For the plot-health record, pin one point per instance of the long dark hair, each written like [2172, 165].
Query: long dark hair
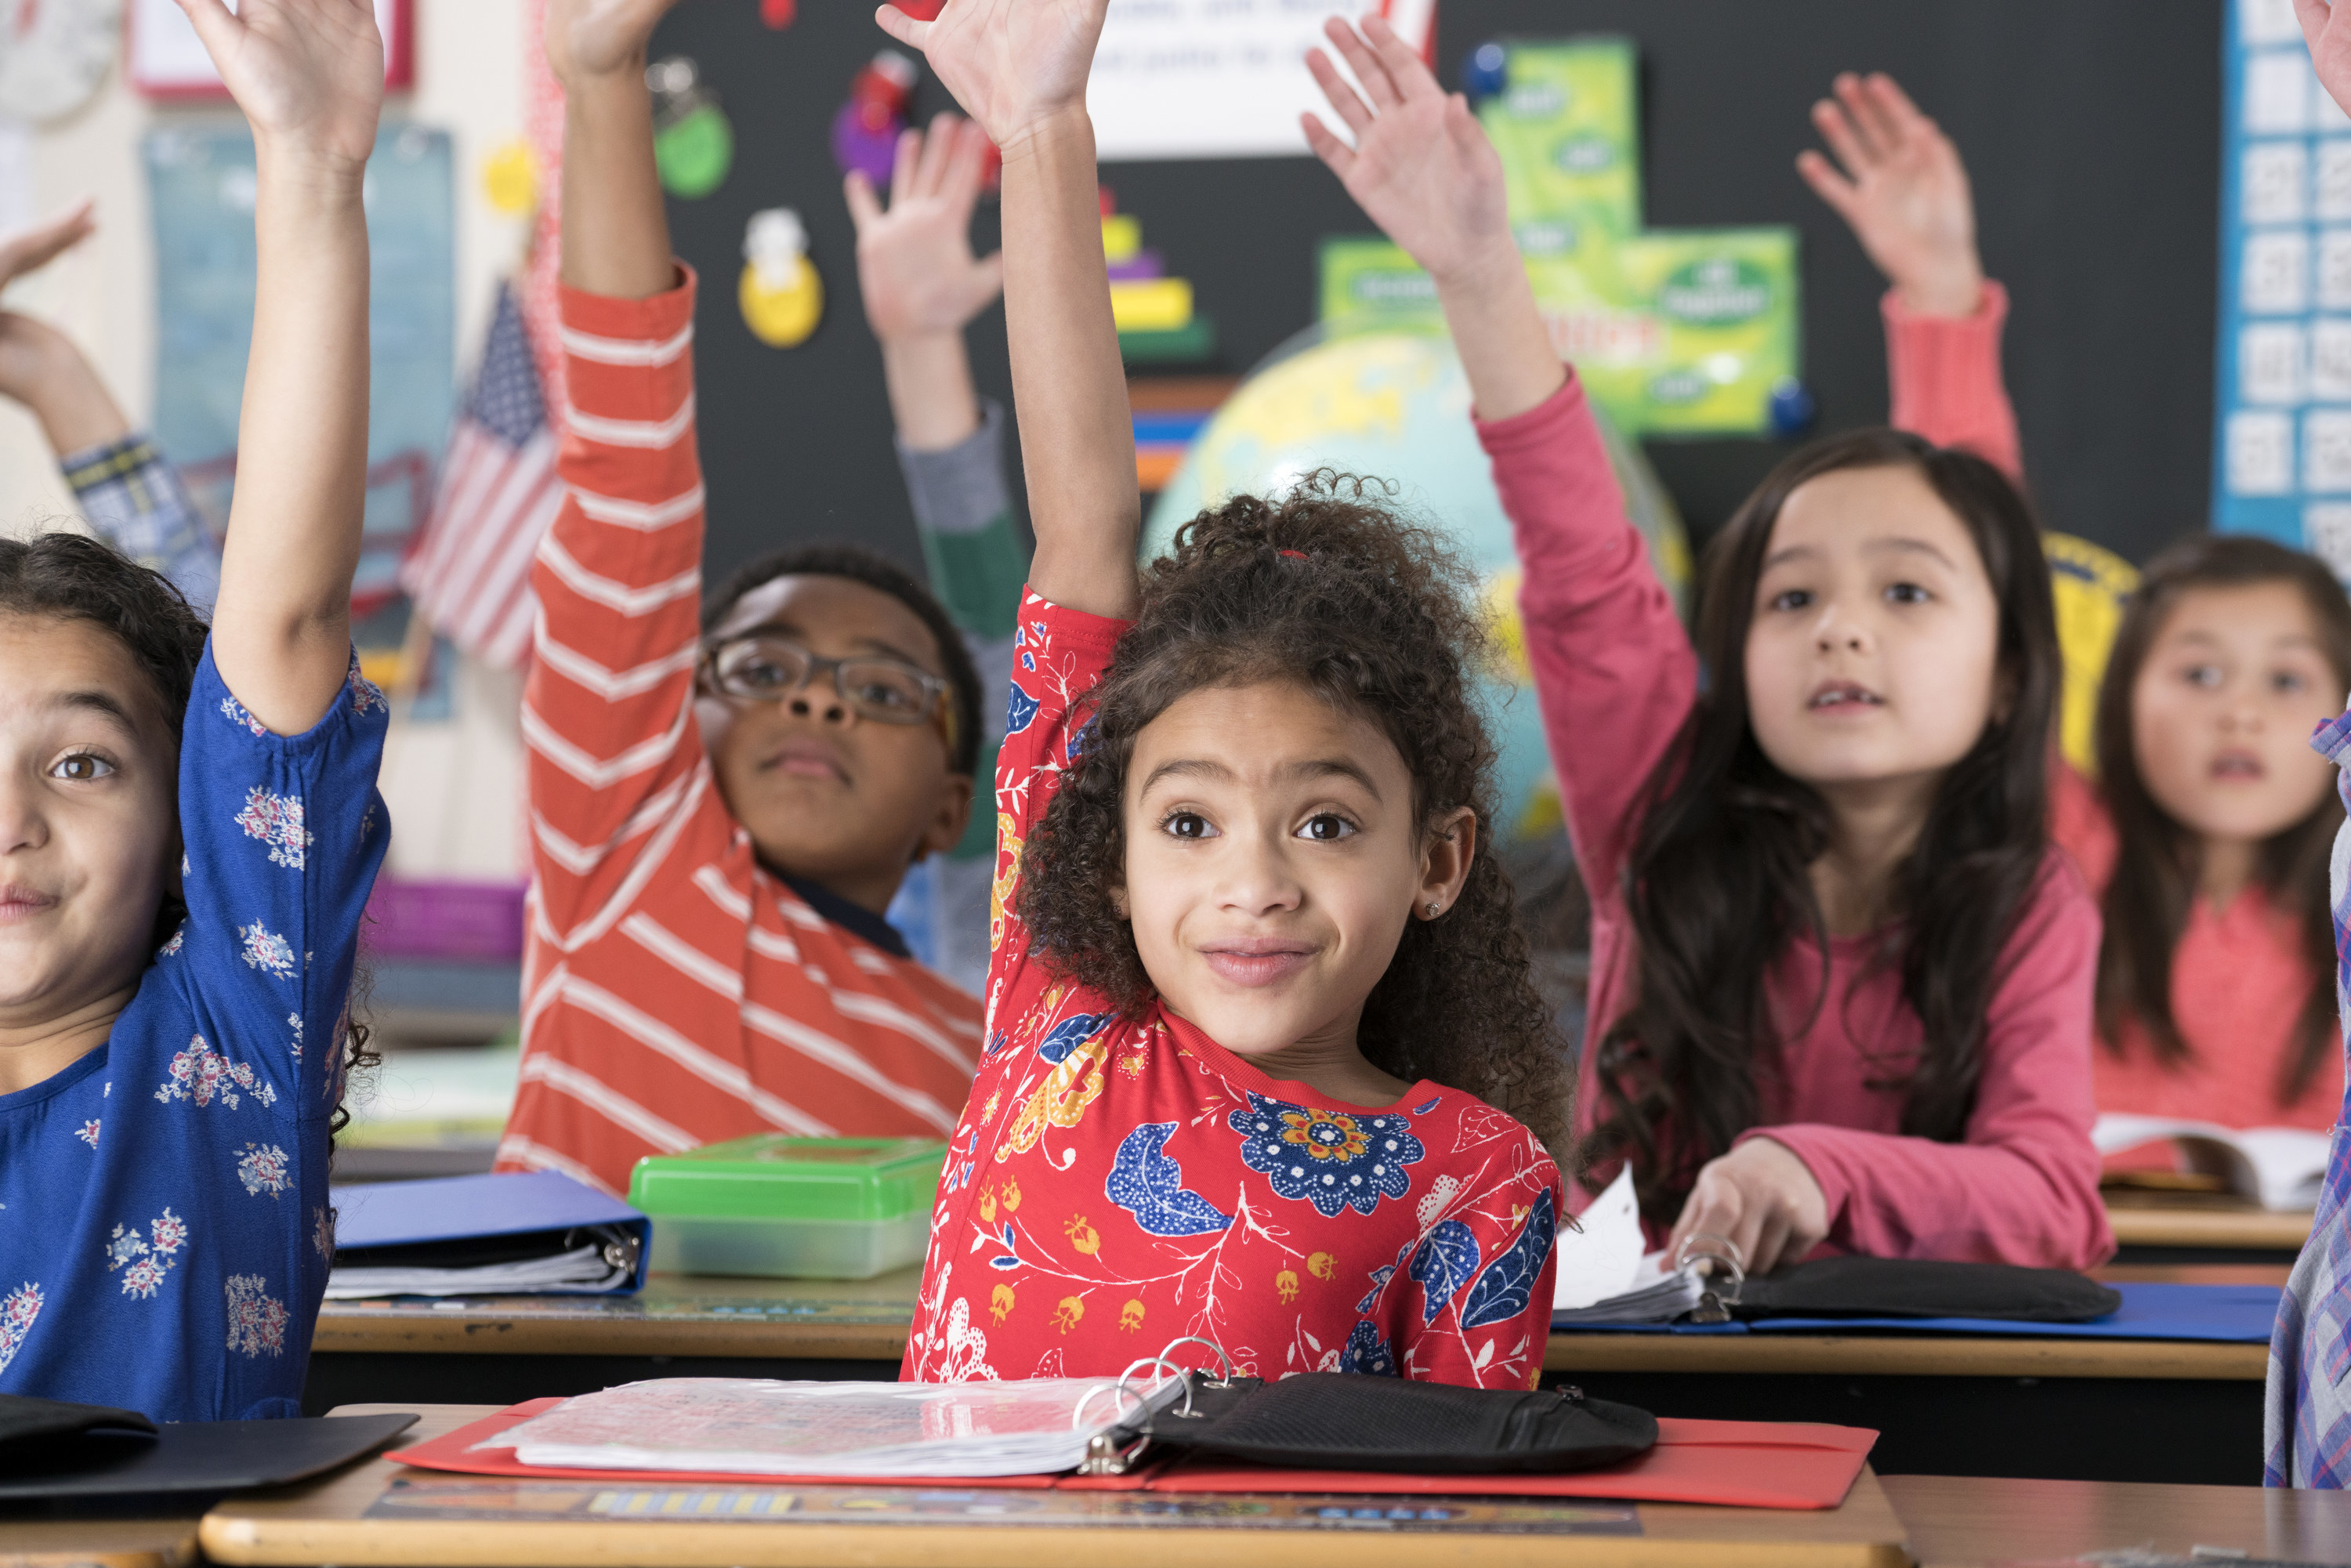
[1327, 589]
[70, 576]
[1718, 886]
[2153, 889]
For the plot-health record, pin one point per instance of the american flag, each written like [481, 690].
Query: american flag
[470, 576]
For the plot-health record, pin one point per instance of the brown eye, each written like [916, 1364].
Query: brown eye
[81, 767]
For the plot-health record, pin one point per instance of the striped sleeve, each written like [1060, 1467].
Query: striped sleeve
[608, 715]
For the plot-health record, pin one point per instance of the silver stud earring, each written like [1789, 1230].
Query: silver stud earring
[1433, 907]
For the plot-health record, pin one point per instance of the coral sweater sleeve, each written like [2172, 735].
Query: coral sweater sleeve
[1945, 374]
[608, 713]
[1614, 672]
[2023, 1187]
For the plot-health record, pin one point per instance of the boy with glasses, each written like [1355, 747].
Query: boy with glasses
[722, 806]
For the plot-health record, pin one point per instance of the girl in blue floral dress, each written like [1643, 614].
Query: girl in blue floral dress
[1259, 1013]
[188, 829]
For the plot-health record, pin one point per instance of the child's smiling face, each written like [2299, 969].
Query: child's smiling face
[827, 794]
[1274, 853]
[88, 829]
[1873, 653]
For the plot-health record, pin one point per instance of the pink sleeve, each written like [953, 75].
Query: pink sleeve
[2024, 1188]
[1613, 670]
[1947, 382]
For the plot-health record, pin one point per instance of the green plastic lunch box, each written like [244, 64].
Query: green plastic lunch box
[790, 1208]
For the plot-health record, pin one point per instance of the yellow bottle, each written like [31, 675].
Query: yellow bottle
[782, 297]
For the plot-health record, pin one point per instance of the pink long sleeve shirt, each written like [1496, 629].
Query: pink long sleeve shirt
[1615, 675]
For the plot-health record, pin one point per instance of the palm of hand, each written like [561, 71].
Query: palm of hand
[1013, 63]
[308, 71]
[1429, 192]
[1913, 210]
[917, 271]
[596, 37]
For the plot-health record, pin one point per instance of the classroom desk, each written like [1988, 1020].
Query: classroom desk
[2157, 1229]
[1952, 1521]
[381, 1513]
[1947, 1405]
[37, 1537]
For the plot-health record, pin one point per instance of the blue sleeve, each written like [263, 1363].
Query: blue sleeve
[282, 836]
[130, 493]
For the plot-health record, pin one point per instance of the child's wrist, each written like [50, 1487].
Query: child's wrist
[1492, 262]
[295, 164]
[1057, 126]
[1954, 294]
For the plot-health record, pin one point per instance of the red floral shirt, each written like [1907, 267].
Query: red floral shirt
[1116, 1184]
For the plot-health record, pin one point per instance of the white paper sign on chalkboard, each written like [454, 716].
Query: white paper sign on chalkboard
[1217, 78]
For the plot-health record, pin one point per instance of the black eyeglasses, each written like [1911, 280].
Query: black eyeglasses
[764, 668]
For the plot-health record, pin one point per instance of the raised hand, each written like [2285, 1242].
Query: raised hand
[1421, 166]
[915, 262]
[1012, 64]
[591, 38]
[1903, 191]
[29, 250]
[308, 73]
[2330, 47]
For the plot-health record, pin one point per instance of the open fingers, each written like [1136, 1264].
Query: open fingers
[1405, 69]
[1860, 116]
[1879, 129]
[1368, 66]
[1827, 183]
[904, 159]
[966, 165]
[889, 18]
[1897, 105]
[1836, 128]
[35, 247]
[1344, 100]
[938, 155]
[1336, 154]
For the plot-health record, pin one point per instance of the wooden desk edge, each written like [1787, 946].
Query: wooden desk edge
[1907, 1356]
[2255, 1231]
[416, 1334]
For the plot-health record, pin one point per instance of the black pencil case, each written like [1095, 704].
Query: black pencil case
[1353, 1421]
[1920, 1288]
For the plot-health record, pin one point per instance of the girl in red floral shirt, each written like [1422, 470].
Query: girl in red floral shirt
[1256, 993]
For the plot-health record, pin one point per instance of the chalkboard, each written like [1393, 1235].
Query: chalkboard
[2092, 129]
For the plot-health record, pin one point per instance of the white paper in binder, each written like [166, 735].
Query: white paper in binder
[1604, 1275]
[848, 1431]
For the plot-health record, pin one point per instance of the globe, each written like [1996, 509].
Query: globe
[1393, 403]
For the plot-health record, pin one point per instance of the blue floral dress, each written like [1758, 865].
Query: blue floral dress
[164, 1233]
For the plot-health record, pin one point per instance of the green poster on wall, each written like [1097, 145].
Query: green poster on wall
[1674, 331]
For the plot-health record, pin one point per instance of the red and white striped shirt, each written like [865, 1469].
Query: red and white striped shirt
[675, 993]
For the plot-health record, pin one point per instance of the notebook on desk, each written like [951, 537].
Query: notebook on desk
[2236, 1314]
[528, 1232]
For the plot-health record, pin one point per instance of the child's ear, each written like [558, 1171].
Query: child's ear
[1118, 899]
[1445, 861]
[953, 816]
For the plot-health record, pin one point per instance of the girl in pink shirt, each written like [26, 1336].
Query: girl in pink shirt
[1841, 983]
[2207, 837]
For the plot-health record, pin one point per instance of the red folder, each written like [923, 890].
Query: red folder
[1742, 1464]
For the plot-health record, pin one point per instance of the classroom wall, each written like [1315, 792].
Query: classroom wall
[453, 789]
[2091, 126]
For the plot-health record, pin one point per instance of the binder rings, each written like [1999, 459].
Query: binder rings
[531, 1232]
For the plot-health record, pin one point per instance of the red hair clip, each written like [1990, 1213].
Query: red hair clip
[1295, 554]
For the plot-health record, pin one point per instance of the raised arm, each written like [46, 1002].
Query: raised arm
[1900, 185]
[615, 232]
[1020, 67]
[309, 76]
[39, 366]
[1424, 171]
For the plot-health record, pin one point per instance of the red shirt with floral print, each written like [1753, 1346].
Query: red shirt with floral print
[1116, 1184]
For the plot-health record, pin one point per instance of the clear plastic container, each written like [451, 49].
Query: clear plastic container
[792, 1208]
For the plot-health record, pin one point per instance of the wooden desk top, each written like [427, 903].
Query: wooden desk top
[2146, 1220]
[381, 1513]
[679, 1314]
[1952, 1521]
[43, 1543]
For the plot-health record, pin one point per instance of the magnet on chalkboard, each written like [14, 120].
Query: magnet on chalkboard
[510, 179]
[693, 143]
[1485, 72]
[782, 296]
[866, 131]
[778, 13]
[1792, 408]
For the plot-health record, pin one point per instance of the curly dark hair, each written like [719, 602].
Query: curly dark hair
[70, 576]
[1717, 885]
[1377, 616]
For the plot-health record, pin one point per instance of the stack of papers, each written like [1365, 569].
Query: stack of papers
[848, 1431]
[2278, 1167]
[591, 1266]
[1605, 1277]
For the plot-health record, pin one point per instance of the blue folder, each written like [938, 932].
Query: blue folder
[420, 1215]
[2236, 1314]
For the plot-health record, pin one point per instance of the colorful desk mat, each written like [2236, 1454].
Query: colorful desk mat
[2232, 1314]
[1743, 1463]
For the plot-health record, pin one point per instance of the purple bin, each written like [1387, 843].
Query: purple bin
[481, 921]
